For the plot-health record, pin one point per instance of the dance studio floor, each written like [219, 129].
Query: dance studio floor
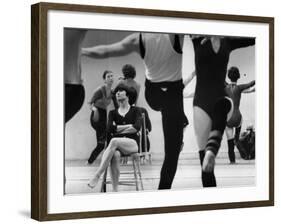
[188, 175]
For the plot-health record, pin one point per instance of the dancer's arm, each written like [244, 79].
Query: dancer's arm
[124, 47]
[189, 79]
[250, 90]
[240, 42]
[247, 85]
[188, 95]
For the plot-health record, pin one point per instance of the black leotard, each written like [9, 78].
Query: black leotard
[73, 101]
[211, 69]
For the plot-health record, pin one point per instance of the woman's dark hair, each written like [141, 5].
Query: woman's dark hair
[105, 73]
[233, 74]
[131, 93]
[129, 71]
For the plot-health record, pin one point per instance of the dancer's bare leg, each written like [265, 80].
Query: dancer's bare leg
[202, 126]
[115, 170]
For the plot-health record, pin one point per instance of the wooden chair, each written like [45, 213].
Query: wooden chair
[132, 177]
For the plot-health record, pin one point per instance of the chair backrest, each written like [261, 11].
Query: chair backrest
[143, 147]
[144, 134]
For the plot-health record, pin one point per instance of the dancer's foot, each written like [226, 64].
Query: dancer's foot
[209, 161]
[93, 182]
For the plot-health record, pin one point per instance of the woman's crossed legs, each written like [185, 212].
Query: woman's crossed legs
[126, 146]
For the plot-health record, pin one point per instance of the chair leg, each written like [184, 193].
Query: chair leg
[139, 174]
[135, 174]
[103, 185]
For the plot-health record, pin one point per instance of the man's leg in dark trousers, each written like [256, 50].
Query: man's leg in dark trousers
[173, 136]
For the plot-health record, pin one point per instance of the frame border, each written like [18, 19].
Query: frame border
[39, 209]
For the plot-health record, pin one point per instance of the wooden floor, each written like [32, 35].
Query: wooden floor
[188, 175]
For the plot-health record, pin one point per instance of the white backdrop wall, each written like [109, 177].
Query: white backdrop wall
[15, 113]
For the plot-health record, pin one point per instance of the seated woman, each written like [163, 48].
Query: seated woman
[123, 125]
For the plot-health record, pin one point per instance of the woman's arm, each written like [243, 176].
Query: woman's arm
[138, 120]
[121, 128]
[136, 126]
[129, 130]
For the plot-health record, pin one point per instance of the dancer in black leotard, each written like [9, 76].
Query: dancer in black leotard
[210, 103]
[234, 123]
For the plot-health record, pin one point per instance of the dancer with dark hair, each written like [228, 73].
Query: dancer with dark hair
[123, 125]
[211, 106]
[234, 123]
[129, 73]
[101, 99]
[162, 56]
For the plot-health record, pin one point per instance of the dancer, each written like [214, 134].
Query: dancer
[73, 88]
[211, 106]
[162, 56]
[129, 73]
[123, 125]
[101, 99]
[234, 123]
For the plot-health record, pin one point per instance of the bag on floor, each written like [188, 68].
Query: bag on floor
[246, 145]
